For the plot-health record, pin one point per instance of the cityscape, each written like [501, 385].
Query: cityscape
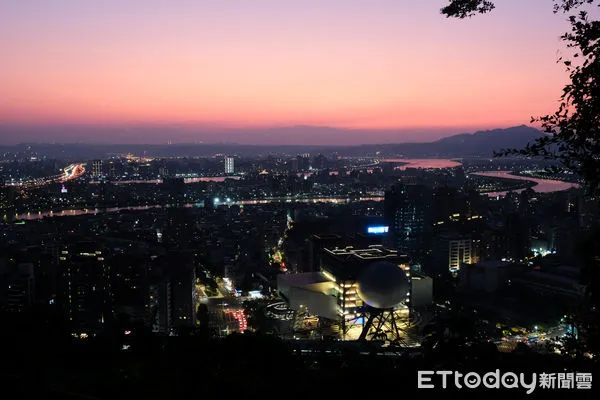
[236, 263]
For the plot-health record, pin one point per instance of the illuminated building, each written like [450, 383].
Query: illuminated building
[163, 171]
[171, 297]
[406, 213]
[311, 291]
[96, 168]
[86, 289]
[16, 287]
[303, 161]
[459, 252]
[317, 244]
[159, 306]
[374, 236]
[179, 271]
[229, 165]
[112, 171]
[455, 242]
[344, 266]
[332, 292]
[8, 195]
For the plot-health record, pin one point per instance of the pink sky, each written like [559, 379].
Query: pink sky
[365, 64]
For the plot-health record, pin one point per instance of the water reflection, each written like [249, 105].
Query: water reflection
[542, 185]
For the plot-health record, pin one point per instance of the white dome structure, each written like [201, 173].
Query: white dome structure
[383, 285]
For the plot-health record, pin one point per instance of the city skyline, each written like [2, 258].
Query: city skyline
[229, 70]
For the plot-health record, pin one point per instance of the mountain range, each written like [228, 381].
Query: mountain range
[478, 144]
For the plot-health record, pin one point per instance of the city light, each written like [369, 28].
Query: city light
[377, 229]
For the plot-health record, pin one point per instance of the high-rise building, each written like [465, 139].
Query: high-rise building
[96, 168]
[229, 167]
[516, 230]
[86, 290]
[459, 252]
[317, 244]
[183, 299]
[320, 162]
[303, 162]
[293, 165]
[159, 306]
[163, 171]
[407, 215]
[16, 287]
[5, 204]
[112, 170]
[129, 284]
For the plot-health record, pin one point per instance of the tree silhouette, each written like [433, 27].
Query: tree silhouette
[573, 131]
[572, 138]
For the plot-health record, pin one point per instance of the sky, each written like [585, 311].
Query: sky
[227, 70]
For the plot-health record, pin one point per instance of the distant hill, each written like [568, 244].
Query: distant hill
[479, 144]
[486, 142]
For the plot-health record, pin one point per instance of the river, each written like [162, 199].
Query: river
[542, 185]
[426, 163]
[88, 211]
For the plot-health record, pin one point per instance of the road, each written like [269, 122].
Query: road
[226, 312]
[71, 172]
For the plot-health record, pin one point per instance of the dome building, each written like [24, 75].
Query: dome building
[366, 292]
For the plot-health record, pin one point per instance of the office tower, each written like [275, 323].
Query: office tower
[112, 170]
[16, 287]
[516, 230]
[229, 168]
[163, 171]
[96, 168]
[293, 165]
[407, 214]
[6, 202]
[451, 246]
[86, 295]
[320, 162]
[182, 278]
[459, 252]
[145, 171]
[303, 162]
[129, 284]
[317, 244]
[159, 306]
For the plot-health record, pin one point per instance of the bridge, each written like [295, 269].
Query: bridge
[70, 172]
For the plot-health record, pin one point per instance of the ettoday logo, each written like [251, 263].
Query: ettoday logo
[508, 380]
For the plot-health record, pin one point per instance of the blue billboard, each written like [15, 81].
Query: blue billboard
[377, 230]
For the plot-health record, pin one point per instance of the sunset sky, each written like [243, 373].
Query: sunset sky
[240, 66]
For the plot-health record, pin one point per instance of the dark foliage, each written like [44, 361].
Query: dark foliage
[467, 8]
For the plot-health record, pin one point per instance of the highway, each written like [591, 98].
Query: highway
[70, 172]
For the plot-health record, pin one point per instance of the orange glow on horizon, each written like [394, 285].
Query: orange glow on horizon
[267, 63]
